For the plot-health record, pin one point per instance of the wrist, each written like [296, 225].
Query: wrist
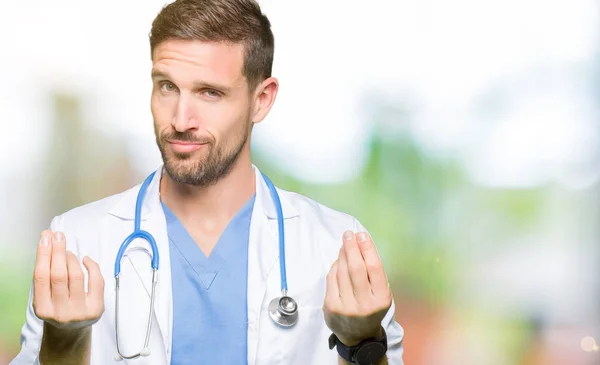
[65, 337]
[65, 346]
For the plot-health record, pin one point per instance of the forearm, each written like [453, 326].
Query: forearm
[65, 348]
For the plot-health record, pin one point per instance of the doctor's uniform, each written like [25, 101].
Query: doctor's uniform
[209, 310]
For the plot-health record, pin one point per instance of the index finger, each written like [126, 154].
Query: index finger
[375, 271]
[41, 273]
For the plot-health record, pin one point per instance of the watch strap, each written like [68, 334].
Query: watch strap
[348, 353]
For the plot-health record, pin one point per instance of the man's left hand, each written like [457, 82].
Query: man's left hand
[358, 294]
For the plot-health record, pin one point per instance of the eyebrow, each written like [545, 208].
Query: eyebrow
[158, 74]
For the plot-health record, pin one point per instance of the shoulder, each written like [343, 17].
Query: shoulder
[320, 214]
[320, 225]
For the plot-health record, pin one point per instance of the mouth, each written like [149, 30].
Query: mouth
[185, 147]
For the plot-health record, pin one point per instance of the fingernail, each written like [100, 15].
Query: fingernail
[45, 241]
[347, 236]
[362, 237]
[57, 237]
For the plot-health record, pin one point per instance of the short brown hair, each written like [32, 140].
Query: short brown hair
[231, 21]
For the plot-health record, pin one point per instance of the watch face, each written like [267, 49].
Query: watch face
[370, 354]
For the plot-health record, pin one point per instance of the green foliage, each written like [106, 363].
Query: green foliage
[15, 282]
[419, 210]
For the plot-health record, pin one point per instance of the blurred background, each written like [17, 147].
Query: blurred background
[465, 135]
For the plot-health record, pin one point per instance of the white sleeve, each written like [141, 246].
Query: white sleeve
[393, 330]
[31, 337]
[31, 332]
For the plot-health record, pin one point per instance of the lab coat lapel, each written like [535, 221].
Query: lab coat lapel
[263, 254]
[156, 225]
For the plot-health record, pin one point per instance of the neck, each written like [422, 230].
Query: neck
[216, 204]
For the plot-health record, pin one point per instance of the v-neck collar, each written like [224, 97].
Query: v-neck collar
[207, 268]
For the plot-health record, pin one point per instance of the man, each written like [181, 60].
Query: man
[215, 223]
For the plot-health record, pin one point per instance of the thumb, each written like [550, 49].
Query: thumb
[95, 280]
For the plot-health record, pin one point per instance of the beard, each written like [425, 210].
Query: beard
[215, 163]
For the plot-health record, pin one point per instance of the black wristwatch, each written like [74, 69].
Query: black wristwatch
[368, 352]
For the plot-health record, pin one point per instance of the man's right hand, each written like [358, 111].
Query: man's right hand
[60, 300]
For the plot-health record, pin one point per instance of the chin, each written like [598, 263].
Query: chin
[181, 165]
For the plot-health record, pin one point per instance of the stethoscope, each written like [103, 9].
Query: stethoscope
[283, 310]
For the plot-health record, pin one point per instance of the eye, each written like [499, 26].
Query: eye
[212, 94]
[167, 86]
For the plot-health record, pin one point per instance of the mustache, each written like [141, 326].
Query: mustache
[185, 137]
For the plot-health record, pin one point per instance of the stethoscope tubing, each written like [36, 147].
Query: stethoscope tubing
[279, 314]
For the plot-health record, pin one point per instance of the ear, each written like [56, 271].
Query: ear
[264, 97]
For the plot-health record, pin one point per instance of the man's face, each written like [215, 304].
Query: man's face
[201, 107]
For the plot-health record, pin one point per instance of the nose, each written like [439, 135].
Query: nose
[185, 115]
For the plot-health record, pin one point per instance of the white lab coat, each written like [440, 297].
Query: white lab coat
[313, 236]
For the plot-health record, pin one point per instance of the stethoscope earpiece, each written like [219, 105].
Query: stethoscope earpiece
[145, 352]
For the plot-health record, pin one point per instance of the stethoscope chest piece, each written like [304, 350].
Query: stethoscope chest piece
[284, 311]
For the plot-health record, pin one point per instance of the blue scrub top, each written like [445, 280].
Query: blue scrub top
[210, 312]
